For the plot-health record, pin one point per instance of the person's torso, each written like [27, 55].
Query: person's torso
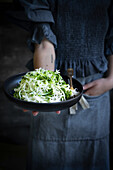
[80, 27]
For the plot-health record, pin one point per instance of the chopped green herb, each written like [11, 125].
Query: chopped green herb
[43, 86]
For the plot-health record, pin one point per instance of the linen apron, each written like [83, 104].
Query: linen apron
[72, 142]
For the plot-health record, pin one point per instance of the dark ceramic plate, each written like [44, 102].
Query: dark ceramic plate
[13, 81]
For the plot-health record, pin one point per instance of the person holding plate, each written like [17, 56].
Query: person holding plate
[79, 35]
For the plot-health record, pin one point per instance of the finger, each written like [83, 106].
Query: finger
[89, 85]
[87, 93]
[35, 113]
[24, 110]
[91, 92]
[58, 112]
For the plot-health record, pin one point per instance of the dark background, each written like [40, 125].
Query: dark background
[14, 124]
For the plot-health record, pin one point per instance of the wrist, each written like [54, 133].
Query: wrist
[109, 81]
[44, 55]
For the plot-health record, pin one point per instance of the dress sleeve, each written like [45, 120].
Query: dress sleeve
[39, 32]
[109, 36]
[41, 18]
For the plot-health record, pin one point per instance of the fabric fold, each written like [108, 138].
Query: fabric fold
[37, 11]
[41, 16]
[82, 67]
[39, 32]
[109, 47]
[109, 35]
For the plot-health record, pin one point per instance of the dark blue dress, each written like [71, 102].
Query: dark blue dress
[82, 34]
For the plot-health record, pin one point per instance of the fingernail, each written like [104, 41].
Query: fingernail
[83, 87]
[24, 110]
[58, 112]
[35, 113]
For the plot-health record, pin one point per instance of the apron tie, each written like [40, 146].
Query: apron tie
[84, 104]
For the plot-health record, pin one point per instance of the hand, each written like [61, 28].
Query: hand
[98, 87]
[35, 113]
[44, 57]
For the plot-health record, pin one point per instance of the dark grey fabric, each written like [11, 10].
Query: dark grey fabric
[109, 36]
[85, 29]
[41, 31]
[37, 11]
[70, 142]
[84, 34]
